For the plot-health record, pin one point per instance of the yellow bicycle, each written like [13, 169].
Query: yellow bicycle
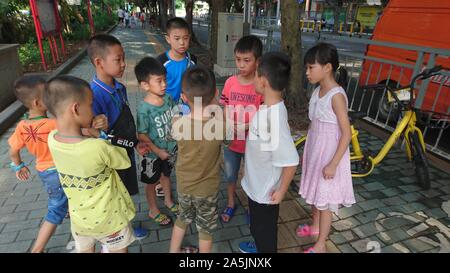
[362, 163]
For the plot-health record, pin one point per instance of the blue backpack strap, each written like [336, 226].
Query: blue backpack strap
[191, 57]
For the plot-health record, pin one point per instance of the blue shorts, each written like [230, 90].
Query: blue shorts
[232, 162]
[57, 200]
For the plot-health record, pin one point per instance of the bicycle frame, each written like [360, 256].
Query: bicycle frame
[406, 126]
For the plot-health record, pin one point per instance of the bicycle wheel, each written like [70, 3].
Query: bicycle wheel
[420, 161]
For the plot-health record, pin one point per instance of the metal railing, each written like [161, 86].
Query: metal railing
[432, 95]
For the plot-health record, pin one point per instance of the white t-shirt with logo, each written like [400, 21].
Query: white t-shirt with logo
[269, 148]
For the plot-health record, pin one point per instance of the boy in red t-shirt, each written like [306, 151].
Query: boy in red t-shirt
[241, 102]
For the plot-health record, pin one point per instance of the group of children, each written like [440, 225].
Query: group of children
[86, 155]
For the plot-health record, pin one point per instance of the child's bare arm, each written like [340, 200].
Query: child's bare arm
[286, 178]
[159, 152]
[23, 173]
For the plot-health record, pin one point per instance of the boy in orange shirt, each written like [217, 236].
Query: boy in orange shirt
[32, 133]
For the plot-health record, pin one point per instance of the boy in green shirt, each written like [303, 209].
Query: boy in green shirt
[154, 117]
[100, 206]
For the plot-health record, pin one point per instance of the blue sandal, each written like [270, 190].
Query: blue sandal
[228, 211]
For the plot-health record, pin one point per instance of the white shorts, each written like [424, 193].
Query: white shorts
[113, 242]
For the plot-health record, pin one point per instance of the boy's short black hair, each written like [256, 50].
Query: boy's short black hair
[98, 45]
[199, 81]
[177, 23]
[276, 68]
[62, 89]
[147, 67]
[249, 43]
[28, 88]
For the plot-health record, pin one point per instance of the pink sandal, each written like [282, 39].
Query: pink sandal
[305, 231]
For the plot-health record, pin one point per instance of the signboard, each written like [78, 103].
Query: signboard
[48, 26]
[328, 14]
[47, 11]
[368, 16]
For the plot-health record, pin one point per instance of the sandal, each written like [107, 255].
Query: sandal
[189, 249]
[174, 209]
[305, 231]
[228, 211]
[162, 219]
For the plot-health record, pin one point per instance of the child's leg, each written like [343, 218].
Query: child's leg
[45, 232]
[57, 208]
[185, 217]
[206, 221]
[324, 229]
[150, 194]
[316, 219]
[263, 226]
[232, 164]
[205, 246]
[151, 174]
[177, 237]
[231, 190]
[165, 183]
[123, 250]
[87, 250]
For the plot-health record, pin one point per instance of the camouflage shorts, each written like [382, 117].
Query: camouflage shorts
[201, 209]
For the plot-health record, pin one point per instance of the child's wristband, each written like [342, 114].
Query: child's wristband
[103, 135]
[15, 167]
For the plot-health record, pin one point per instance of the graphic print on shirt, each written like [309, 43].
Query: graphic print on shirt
[34, 134]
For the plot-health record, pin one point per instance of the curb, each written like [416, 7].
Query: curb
[13, 112]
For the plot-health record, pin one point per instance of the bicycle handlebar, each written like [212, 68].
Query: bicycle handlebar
[425, 74]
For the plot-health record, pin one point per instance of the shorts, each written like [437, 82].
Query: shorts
[232, 164]
[129, 176]
[57, 206]
[201, 209]
[115, 241]
[152, 168]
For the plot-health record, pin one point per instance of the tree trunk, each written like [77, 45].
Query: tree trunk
[291, 45]
[216, 6]
[189, 5]
[337, 11]
[162, 14]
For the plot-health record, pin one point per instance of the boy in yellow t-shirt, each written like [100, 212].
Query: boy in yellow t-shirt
[100, 206]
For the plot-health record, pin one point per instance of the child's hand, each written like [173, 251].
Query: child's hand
[90, 132]
[163, 154]
[143, 148]
[23, 174]
[329, 171]
[277, 197]
[100, 122]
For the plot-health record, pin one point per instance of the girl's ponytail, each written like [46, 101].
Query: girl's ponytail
[342, 76]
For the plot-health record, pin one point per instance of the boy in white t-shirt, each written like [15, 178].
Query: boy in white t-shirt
[270, 154]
